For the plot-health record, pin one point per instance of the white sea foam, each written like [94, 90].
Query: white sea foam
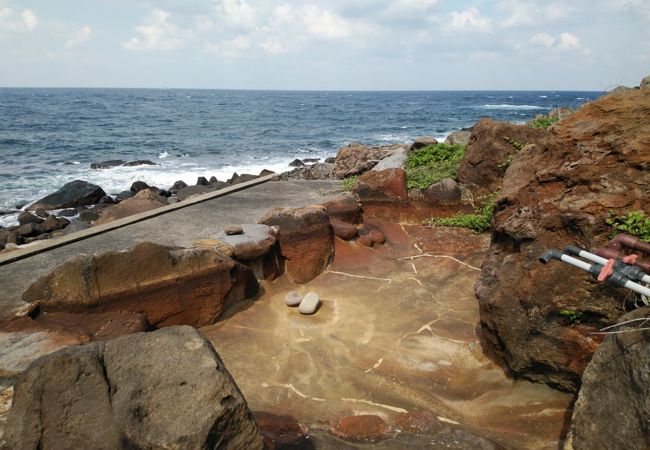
[543, 96]
[512, 107]
[164, 154]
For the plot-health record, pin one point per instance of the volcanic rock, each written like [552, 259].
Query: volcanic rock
[107, 164]
[145, 200]
[177, 186]
[344, 208]
[356, 159]
[385, 186]
[460, 137]
[166, 389]
[559, 192]
[139, 162]
[492, 146]
[305, 240]
[202, 181]
[445, 192]
[72, 194]
[344, 230]
[170, 286]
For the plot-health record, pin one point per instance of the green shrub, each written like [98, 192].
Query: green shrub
[479, 222]
[542, 121]
[348, 183]
[635, 223]
[431, 164]
[571, 315]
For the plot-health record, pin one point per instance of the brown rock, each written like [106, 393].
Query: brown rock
[30, 229]
[26, 217]
[233, 230]
[491, 146]
[281, 432]
[423, 141]
[254, 241]
[363, 428]
[170, 286]
[377, 237]
[356, 159]
[384, 186]
[166, 389]
[366, 240]
[190, 191]
[305, 240]
[443, 193]
[460, 137]
[144, 200]
[556, 193]
[345, 209]
[53, 223]
[344, 230]
[418, 422]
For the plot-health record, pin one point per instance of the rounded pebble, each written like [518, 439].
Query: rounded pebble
[293, 298]
[309, 304]
[233, 230]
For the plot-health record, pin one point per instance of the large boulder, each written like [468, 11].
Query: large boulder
[446, 192]
[460, 137]
[382, 186]
[170, 286]
[557, 193]
[345, 208]
[255, 241]
[163, 390]
[318, 171]
[645, 82]
[145, 200]
[356, 159]
[395, 161]
[492, 147]
[71, 195]
[305, 240]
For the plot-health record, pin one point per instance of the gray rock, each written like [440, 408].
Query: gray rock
[460, 137]
[309, 304]
[124, 195]
[202, 181]
[254, 241]
[318, 171]
[395, 161]
[296, 163]
[30, 229]
[293, 298]
[330, 160]
[88, 215]
[423, 141]
[177, 186]
[138, 186]
[645, 83]
[73, 194]
[232, 230]
[163, 390]
[25, 218]
[75, 227]
[446, 192]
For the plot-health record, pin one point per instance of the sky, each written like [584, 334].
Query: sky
[325, 45]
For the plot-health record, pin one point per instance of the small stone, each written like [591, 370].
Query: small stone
[366, 240]
[362, 428]
[309, 304]
[26, 310]
[293, 298]
[377, 237]
[232, 230]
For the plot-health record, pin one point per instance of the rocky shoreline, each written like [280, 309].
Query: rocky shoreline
[395, 352]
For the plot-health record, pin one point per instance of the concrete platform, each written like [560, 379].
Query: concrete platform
[179, 225]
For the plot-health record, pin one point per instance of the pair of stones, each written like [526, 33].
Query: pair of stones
[307, 305]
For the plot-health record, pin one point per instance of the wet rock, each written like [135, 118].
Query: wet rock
[445, 192]
[145, 200]
[309, 304]
[311, 160]
[40, 212]
[305, 240]
[233, 229]
[106, 200]
[67, 213]
[344, 230]
[53, 223]
[26, 217]
[616, 377]
[170, 286]
[202, 181]
[296, 163]
[293, 298]
[107, 164]
[166, 389]
[139, 162]
[73, 194]
[377, 237]
[177, 186]
[138, 186]
[124, 195]
[460, 137]
[281, 432]
[421, 423]
[254, 241]
[423, 141]
[356, 159]
[555, 193]
[385, 186]
[362, 428]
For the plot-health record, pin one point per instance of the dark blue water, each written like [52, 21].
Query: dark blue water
[50, 136]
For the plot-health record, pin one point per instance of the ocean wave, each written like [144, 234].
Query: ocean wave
[511, 107]
[164, 154]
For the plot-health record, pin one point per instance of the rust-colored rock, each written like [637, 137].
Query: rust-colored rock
[280, 432]
[344, 230]
[492, 146]
[345, 209]
[362, 428]
[418, 422]
[304, 239]
[356, 159]
[377, 237]
[383, 186]
[170, 286]
[555, 193]
[144, 200]
[366, 240]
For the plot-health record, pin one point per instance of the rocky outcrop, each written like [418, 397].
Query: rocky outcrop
[612, 406]
[170, 286]
[356, 159]
[145, 200]
[166, 389]
[318, 171]
[383, 186]
[446, 192]
[71, 195]
[460, 137]
[110, 164]
[556, 193]
[491, 149]
[304, 239]
[344, 208]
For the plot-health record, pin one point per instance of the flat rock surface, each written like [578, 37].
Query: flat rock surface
[396, 333]
[179, 228]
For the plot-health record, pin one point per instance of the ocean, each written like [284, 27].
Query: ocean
[49, 137]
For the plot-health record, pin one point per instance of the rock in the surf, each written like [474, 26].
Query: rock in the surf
[73, 194]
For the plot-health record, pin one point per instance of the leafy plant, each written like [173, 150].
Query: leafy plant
[543, 121]
[432, 163]
[516, 144]
[479, 222]
[571, 315]
[635, 223]
[348, 183]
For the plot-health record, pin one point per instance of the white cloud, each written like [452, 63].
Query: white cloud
[13, 21]
[522, 13]
[569, 42]
[158, 33]
[79, 37]
[469, 20]
[237, 14]
[542, 40]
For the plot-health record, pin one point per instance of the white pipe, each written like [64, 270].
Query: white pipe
[576, 262]
[636, 287]
[591, 257]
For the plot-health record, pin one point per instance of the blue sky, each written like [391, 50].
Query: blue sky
[314, 44]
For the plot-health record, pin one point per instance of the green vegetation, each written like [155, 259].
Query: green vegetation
[479, 222]
[516, 144]
[543, 121]
[348, 183]
[431, 164]
[571, 315]
[635, 223]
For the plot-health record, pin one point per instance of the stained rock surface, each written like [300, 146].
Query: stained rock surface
[167, 389]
